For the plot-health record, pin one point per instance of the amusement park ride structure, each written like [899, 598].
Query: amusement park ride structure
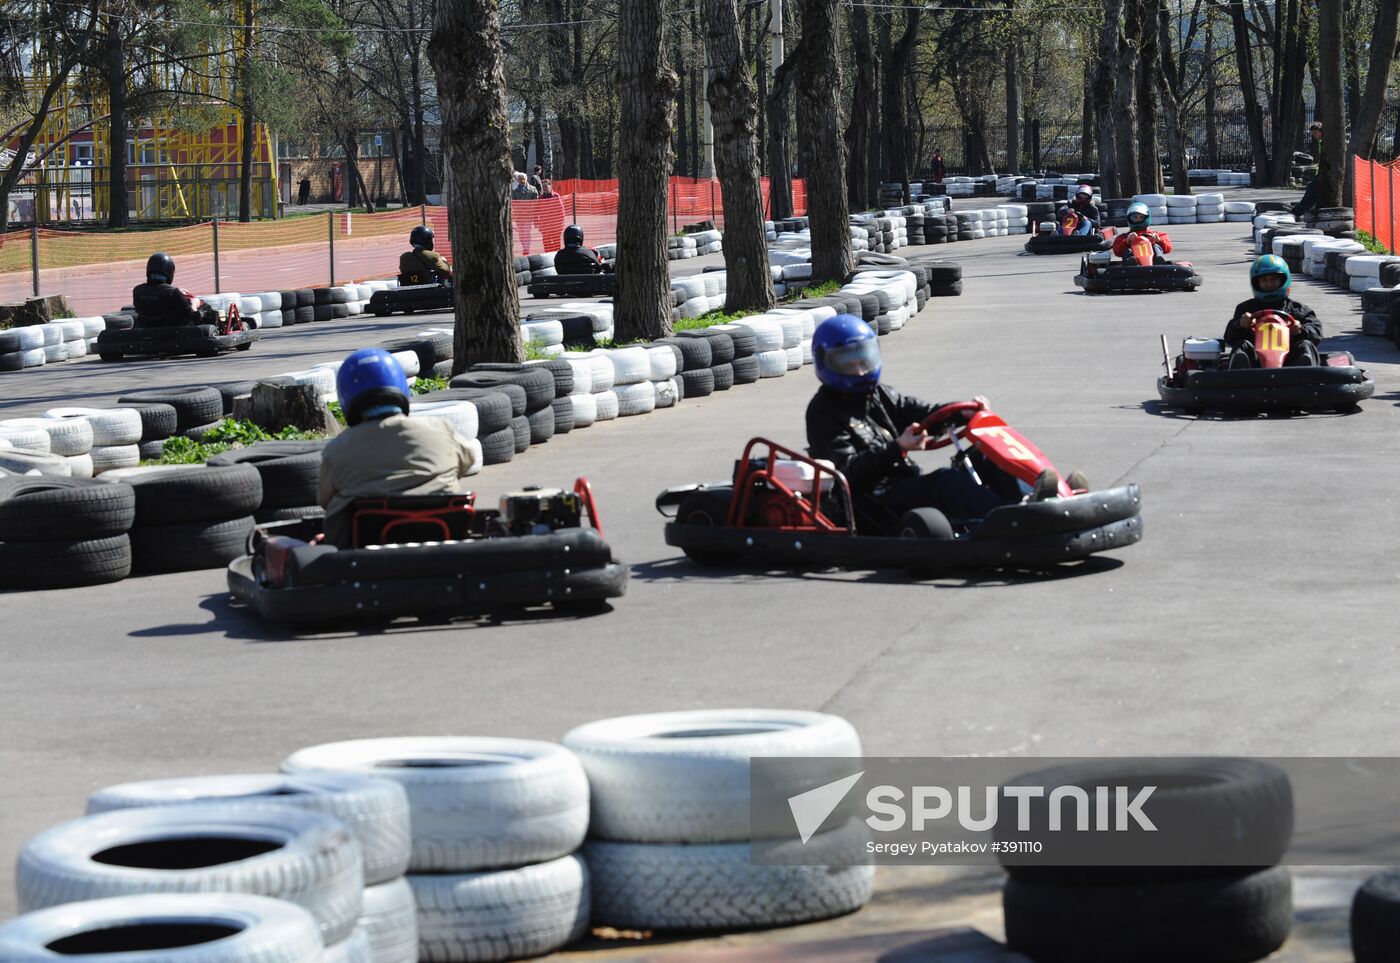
[183, 158]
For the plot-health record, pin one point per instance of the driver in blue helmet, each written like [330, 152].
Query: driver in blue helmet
[1270, 281]
[383, 452]
[867, 430]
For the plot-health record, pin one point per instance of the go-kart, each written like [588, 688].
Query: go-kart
[416, 292]
[783, 506]
[573, 285]
[433, 556]
[1064, 237]
[1208, 377]
[224, 332]
[1143, 269]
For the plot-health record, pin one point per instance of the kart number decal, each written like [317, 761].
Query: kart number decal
[1013, 447]
[1271, 338]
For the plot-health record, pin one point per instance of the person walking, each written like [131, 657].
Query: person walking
[938, 170]
[1309, 200]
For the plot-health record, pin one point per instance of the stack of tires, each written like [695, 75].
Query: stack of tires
[117, 433]
[591, 395]
[285, 853]
[1364, 271]
[1157, 206]
[1331, 220]
[189, 517]
[495, 824]
[916, 229]
[432, 348]
[1233, 910]
[63, 532]
[723, 350]
[708, 242]
[669, 835]
[22, 348]
[770, 340]
[532, 392]
[576, 330]
[375, 811]
[196, 409]
[682, 247]
[289, 473]
[563, 374]
[1181, 208]
[666, 360]
[1017, 218]
[1210, 208]
[1239, 212]
[545, 335]
[632, 367]
[944, 277]
[936, 229]
[522, 271]
[494, 414]
[69, 439]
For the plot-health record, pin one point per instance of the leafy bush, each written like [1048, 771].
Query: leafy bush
[231, 433]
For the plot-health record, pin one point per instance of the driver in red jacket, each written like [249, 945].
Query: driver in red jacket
[1140, 222]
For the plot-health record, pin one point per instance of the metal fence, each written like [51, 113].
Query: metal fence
[77, 194]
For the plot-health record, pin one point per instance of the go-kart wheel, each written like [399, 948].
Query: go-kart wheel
[709, 509]
[924, 523]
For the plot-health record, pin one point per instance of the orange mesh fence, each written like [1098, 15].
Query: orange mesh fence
[1376, 200]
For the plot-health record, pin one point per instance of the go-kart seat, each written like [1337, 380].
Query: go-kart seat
[412, 518]
[419, 277]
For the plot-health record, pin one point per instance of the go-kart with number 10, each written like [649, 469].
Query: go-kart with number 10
[785, 507]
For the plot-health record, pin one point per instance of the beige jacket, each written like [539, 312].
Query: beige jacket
[397, 455]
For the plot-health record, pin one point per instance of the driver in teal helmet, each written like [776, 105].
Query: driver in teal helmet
[1270, 280]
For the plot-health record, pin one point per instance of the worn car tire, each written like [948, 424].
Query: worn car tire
[52, 509]
[498, 446]
[188, 546]
[176, 494]
[541, 424]
[698, 383]
[538, 385]
[563, 410]
[520, 426]
[193, 406]
[65, 563]
[290, 471]
[1375, 919]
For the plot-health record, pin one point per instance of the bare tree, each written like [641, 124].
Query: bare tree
[734, 109]
[647, 91]
[465, 50]
[819, 140]
[1330, 105]
[1105, 85]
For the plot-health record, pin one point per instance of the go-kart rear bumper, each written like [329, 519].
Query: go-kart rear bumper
[1304, 388]
[184, 339]
[418, 297]
[1061, 244]
[1158, 277]
[1012, 536]
[573, 285]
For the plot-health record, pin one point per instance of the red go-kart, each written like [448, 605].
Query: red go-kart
[786, 507]
[1142, 270]
[1064, 237]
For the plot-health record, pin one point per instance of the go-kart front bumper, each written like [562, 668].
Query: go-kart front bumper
[1062, 244]
[573, 285]
[1302, 388]
[1113, 278]
[417, 297]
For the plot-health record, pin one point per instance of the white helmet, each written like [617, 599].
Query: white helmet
[1139, 215]
[1084, 189]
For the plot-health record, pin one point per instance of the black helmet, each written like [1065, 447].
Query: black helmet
[573, 236]
[422, 236]
[160, 268]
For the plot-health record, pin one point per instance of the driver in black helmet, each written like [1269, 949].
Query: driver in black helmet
[423, 261]
[160, 304]
[574, 258]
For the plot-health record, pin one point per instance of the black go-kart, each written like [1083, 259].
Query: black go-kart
[414, 293]
[220, 334]
[786, 508]
[1063, 238]
[1143, 270]
[573, 285]
[434, 557]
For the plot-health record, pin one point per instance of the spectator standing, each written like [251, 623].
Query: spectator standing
[524, 215]
[938, 167]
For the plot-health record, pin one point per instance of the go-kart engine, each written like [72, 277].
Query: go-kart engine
[539, 511]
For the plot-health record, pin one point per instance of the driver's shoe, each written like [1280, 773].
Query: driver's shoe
[1077, 481]
[1047, 485]
[1304, 355]
[1240, 360]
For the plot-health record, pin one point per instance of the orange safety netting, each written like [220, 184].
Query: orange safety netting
[1376, 199]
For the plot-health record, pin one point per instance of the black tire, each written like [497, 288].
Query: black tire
[698, 383]
[158, 421]
[925, 523]
[696, 353]
[711, 509]
[1375, 919]
[515, 393]
[538, 385]
[869, 306]
[339, 311]
[520, 427]
[193, 406]
[744, 341]
[323, 312]
[64, 563]
[946, 290]
[563, 416]
[188, 546]
[498, 446]
[294, 514]
[443, 370]
[884, 324]
[1220, 920]
[197, 494]
[541, 424]
[304, 315]
[289, 300]
[745, 370]
[723, 375]
[319, 296]
[289, 317]
[721, 345]
[46, 509]
[430, 349]
[152, 450]
[199, 431]
[494, 407]
[561, 372]
[290, 471]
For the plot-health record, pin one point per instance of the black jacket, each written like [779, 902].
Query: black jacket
[162, 306]
[1312, 327]
[1087, 210]
[577, 260]
[857, 433]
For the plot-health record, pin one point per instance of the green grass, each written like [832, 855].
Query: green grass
[230, 434]
[817, 290]
[1370, 243]
[431, 383]
[537, 351]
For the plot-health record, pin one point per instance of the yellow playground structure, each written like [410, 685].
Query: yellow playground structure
[183, 159]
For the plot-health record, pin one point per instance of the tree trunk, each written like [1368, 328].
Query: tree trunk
[420, 160]
[114, 69]
[682, 129]
[1149, 157]
[1013, 101]
[1169, 89]
[1363, 132]
[1212, 120]
[647, 91]
[1086, 127]
[819, 139]
[858, 131]
[1288, 118]
[465, 50]
[1105, 74]
[779, 138]
[247, 120]
[1329, 104]
[1253, 115]
[896, 127]
[734, 112]
[1125, 126]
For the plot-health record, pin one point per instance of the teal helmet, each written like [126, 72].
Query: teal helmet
[1270, 266]
[1139, 216]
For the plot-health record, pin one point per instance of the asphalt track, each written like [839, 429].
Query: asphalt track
[1252, 619]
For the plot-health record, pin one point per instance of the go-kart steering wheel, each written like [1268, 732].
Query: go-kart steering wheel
[945, 414]
[1271, 314]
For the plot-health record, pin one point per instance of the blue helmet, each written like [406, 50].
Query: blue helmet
[1270, 266]
[846, 354]
[370, 378]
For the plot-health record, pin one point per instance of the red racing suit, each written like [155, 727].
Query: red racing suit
[1122, 241]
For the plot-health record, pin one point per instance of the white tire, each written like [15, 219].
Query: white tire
[67, 436]
[270, 301]
[390, 921]
[715, 886]
[52, 335]
[695, 307]
[807, 356]
[178, 928]
[637, 399]
[34, 440]
[683, 777]
[630, 365]
[302, 857]
[772, 364]
[374, 810]
[475, 802]
[585, 409]
[461, 415]
[354, 948]
[28, 337]
[32, 463]
[794, 356]
[767, 332]
[322, 379]
[600, 368]
[75, 349]
[792, 328]
[505, 914]
[543, 332]
[1239, 207]
[665, 393]
[112, 457]
[663, 363]
[583, 375]
[713, 281]
[797, 272]
[270, 319]
[250, 304]
[606, 405]
[110, 426]
[408, 360]
[92, 327]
